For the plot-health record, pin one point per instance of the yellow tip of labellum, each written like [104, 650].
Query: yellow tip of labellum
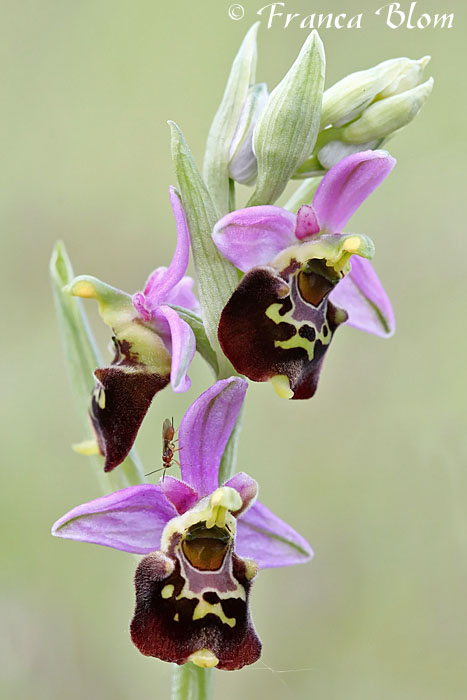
[251, 568]
[204, 658]
[87, 447]
[281, 385]
[352, 244]
[83, 289]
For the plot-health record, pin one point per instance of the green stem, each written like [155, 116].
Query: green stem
[189, 682]
[231, 195]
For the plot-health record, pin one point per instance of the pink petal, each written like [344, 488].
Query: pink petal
[307, 222]
[131, 520]
[362, 295]
[254, 236]
[268, 540]
[182, 345]
[182, 295]
[180, 494]
[347, 185]
[246, 487]
[163, 280]
[205, 430]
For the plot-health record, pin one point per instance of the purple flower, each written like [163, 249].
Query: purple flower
[200, 540]
[153, 346]
[299, 284]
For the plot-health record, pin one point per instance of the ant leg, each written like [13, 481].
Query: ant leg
[154, 471]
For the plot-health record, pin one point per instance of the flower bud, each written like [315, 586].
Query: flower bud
[348, 98]
[385, 117]
[286, 131]
[242, 159]
[364, 109]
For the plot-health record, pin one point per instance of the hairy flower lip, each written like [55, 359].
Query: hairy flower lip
[189, 598]
[280, 320]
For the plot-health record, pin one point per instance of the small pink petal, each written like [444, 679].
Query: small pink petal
[246, 487]
[307, 222]
[180, 494]
[182, 345]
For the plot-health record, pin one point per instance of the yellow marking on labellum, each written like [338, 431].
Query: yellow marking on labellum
[86, 447]
[281, 385]
[167, 591]
[101, 399]
[296, 341]
[176, 617]
[204, 608]
[251, 568]
[204, 658]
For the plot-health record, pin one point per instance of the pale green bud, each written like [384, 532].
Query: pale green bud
[242, 159]
[225, 122]
[348, 98]
[335, 151]
[389, 115]
[288, 125]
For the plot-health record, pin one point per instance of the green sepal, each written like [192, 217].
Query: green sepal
[288, 125]
[217, 277]
[82, 357]
[202, 343]
[225, 122]
[117, 311]
[115, 307]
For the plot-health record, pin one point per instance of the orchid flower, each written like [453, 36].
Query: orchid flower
[153, 346]
[299, 284]
[203, 544]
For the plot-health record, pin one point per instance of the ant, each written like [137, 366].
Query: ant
[168, 447]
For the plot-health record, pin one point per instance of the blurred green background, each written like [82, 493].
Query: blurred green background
[372, 470]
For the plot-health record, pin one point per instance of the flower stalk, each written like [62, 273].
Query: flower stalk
[190, 682]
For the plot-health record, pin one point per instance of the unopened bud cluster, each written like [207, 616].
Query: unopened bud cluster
[366, 108]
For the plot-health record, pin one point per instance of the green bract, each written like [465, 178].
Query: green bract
[287, 127]
[217, 277]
